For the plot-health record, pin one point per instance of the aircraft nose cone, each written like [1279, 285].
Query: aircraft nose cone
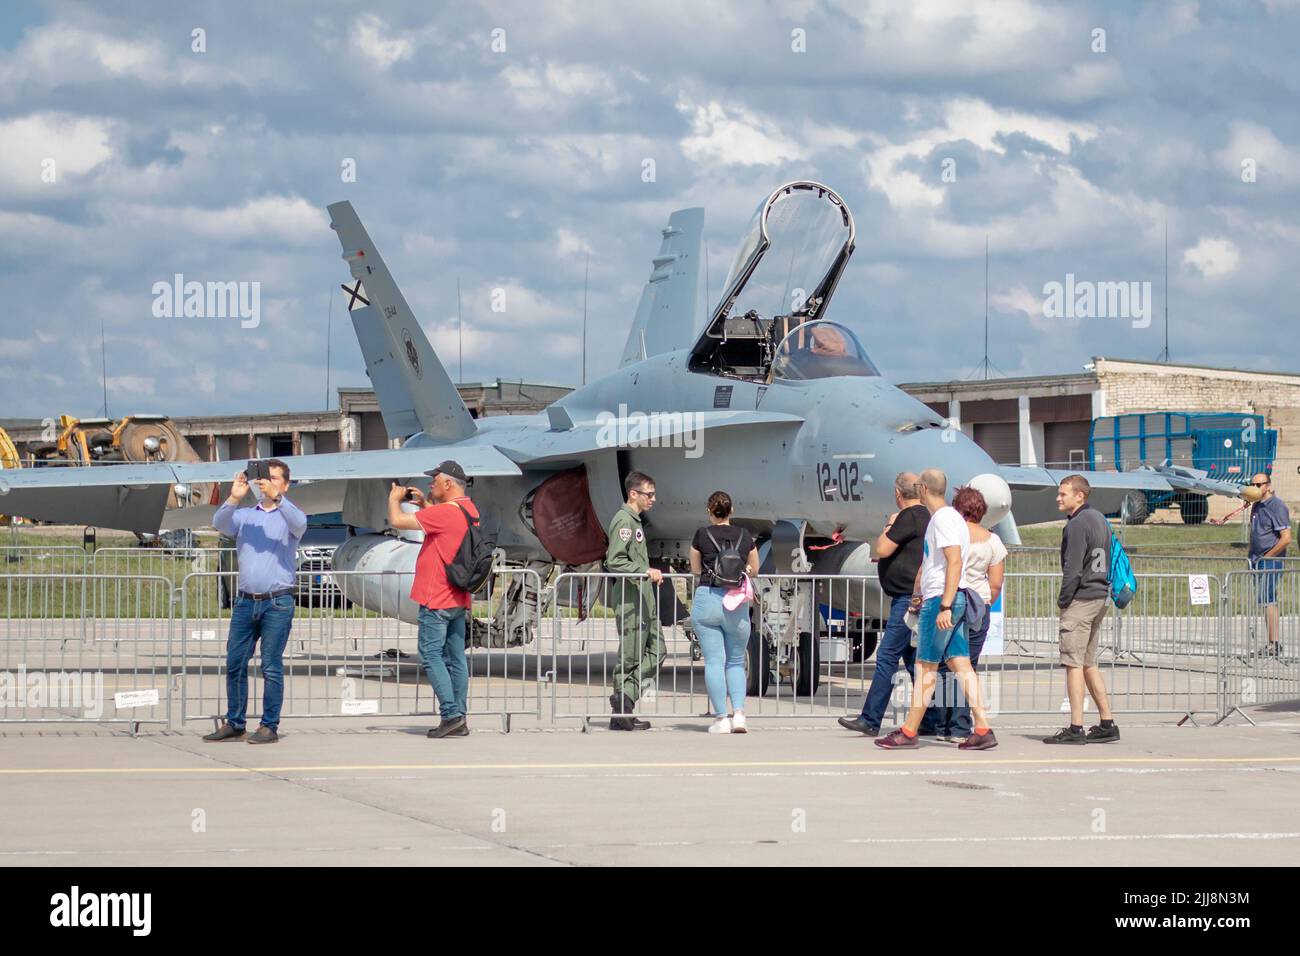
[997, 495]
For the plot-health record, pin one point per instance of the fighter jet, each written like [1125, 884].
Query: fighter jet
[767, 398]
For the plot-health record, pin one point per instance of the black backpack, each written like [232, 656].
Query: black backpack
[728, 566]
[470, 569]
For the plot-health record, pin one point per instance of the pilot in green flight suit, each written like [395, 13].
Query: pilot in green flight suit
[641, 643]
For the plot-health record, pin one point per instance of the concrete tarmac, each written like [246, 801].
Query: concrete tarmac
[364, 792]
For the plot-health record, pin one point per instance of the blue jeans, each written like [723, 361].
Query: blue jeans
[441, 642]
[269, 620]
[895, 646]
[724, 641]
[949, 699]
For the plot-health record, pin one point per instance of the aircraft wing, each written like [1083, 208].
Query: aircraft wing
[570, 439]
[133, 497]
[1034, 489]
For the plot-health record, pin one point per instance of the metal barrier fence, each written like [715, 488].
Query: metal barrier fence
[809, 661]
[43, 559]
[1158, 655]
[1035, 560]
[1260, 639]
[552, 652]
[63, 661]
[172, 563]
[358, 654]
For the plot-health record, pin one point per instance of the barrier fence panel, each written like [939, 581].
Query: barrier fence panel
[353, 648]
[81, 648]
[589, 612]
[44, 559]
[810, 638]
[172, 563]
[1030, 560]
[818, 632]
[70, 642]
[1158, 655]
[1261, 638]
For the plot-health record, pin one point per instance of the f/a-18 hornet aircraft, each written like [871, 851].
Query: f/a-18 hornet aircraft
[767, 398]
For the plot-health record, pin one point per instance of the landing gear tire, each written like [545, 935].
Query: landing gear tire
[809, 677]
[1137, 508]
[863, 645]
[758, 665]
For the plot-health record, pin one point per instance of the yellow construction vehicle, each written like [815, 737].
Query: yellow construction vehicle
[8, 451]
[138, 439]
[8, 459]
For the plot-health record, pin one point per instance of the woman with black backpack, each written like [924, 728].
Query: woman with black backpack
[721, 557]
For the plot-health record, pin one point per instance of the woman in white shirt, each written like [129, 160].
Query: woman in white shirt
[982, 573]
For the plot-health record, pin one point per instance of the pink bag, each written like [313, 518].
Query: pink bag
[739, 594]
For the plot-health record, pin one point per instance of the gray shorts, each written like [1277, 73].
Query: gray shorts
[1080, 631]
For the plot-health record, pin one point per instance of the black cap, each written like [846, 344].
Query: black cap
[451, 469]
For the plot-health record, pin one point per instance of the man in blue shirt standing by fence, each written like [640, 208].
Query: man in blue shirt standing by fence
[266, 542]
[1270, 536]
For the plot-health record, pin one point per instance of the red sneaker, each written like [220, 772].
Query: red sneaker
[897, 741]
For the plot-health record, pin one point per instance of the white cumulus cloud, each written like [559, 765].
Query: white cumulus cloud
[377, 42]
[1213, 258]
[75, 144]
[735, 136]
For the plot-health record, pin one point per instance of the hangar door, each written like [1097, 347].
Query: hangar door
[1001, 440]
[1065, 444]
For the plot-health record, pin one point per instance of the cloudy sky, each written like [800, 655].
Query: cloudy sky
[940, 123]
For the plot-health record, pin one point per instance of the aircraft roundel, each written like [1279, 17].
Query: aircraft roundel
[412, 356]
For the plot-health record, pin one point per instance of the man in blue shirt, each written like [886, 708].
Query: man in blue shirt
[1270, 536]
[266, 542]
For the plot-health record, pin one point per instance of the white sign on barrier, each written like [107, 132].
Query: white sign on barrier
[135, 698]
[994, 641]
[208, 635]
[353, 708]
[1198, 588]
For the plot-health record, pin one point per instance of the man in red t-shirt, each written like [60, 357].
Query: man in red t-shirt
[443, 608]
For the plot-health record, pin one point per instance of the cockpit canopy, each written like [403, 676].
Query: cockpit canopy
[821, 349]
[789, 262]
[791, 247]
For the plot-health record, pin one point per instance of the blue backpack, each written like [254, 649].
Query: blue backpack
[1123, 582]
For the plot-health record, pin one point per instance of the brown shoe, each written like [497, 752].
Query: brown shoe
[264, 735]
[225, 732]
[449, 727]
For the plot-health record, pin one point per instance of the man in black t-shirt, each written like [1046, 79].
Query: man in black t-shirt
[899, 551]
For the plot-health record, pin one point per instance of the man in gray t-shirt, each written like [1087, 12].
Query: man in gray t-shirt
[1270, 536]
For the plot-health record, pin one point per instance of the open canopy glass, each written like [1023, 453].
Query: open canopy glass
[821, 349]
[791, 255]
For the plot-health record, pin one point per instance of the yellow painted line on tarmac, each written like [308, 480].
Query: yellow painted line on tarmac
[659, 765]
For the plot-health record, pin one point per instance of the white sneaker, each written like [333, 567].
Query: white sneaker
[738, 723]
[721, 726]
